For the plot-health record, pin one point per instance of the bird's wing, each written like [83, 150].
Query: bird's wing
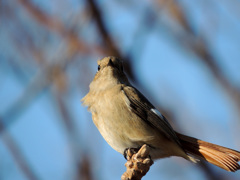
[138, 104]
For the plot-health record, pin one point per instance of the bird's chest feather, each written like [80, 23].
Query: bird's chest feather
[117, 124]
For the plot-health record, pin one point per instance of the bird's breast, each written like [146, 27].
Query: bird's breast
[119, 126]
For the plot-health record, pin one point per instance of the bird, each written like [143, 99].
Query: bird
[126, 119]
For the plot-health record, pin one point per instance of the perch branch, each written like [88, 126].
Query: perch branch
[138, 164]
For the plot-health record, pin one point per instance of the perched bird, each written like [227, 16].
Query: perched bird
[126, 119]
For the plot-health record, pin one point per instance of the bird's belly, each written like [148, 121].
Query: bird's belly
[115, 137]
[122, 132]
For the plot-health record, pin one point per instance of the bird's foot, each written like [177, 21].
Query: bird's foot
[138, 163]
[128, 152]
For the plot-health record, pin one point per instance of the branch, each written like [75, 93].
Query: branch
[138, 164]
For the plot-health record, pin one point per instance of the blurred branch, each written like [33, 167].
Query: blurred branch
[68, 121]
[33, 89]
[72, 39]
[81, 161]
[18, 155]
[54, 24]
[38, 84]
[175, 12]
[199, 46]
[111, 46]
[85, 169]
[108, 41]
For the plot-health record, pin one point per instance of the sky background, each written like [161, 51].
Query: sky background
[44, 74]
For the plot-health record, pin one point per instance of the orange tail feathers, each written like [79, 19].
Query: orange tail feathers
[222, 157]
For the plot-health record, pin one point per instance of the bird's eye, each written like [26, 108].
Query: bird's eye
[98, 68]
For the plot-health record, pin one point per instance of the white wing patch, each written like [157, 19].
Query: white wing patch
[157, 113]
[126, 100]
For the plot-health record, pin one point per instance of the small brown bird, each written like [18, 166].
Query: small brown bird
[126, 119]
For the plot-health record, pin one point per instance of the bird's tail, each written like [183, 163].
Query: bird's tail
[222, 157]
